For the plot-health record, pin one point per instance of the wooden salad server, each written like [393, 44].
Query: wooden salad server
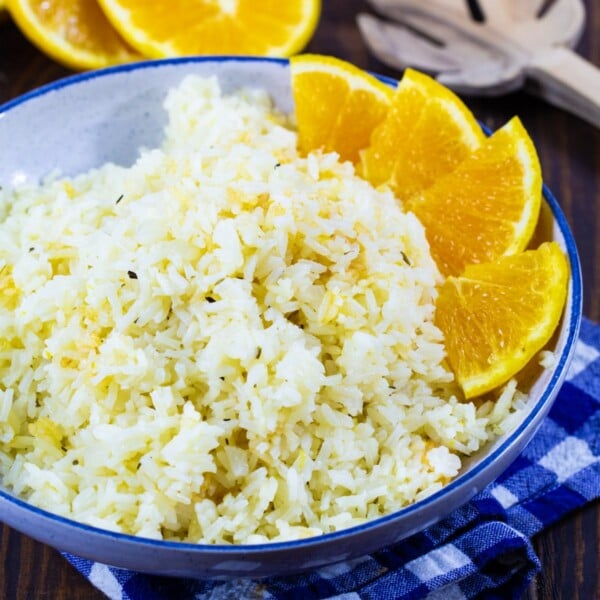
[490, 47]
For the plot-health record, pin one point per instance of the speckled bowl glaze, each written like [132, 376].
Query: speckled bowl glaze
[86, 120]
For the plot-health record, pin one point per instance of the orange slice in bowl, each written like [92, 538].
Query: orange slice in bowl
[75, 33]
[337, 105]
[426, 134]
[488, 206]
[184, 27]
[496, 316]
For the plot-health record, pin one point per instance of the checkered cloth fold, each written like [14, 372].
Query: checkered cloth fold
[482, 550]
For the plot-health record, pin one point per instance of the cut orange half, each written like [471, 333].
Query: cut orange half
[487, 207]
[185, 27]
[426, 134]
[75, 33]
[496, 316]
[337, 104]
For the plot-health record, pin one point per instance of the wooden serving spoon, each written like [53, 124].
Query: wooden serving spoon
[490, 47]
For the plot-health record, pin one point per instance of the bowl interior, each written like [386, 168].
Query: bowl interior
[107, 116]
[84, 121]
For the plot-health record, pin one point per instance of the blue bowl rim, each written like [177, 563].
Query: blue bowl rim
[547, 396]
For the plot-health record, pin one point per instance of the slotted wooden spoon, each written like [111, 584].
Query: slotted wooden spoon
[490, 47]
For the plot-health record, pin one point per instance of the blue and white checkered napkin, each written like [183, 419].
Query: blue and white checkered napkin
[482, 549]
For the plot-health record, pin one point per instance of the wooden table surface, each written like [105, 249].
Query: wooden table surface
[569, 151]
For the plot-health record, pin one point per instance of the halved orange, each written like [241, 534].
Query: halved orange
[426, 134]
[184, 27]
[337, 104]
[488, 206]
[75, 33]
[496, 316]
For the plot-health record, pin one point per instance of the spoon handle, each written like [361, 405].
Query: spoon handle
[568, 81]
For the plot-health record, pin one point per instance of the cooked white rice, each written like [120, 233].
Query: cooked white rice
[225, 342]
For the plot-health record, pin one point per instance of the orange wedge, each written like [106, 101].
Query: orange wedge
[496, 316]
[487, 207]
[75, 33]
[426, 134]
[184, 27]
[337, 105]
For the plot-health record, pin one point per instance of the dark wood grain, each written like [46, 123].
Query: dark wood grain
[569, 151]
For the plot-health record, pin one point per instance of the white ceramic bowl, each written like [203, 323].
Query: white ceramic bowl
[86, 120]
